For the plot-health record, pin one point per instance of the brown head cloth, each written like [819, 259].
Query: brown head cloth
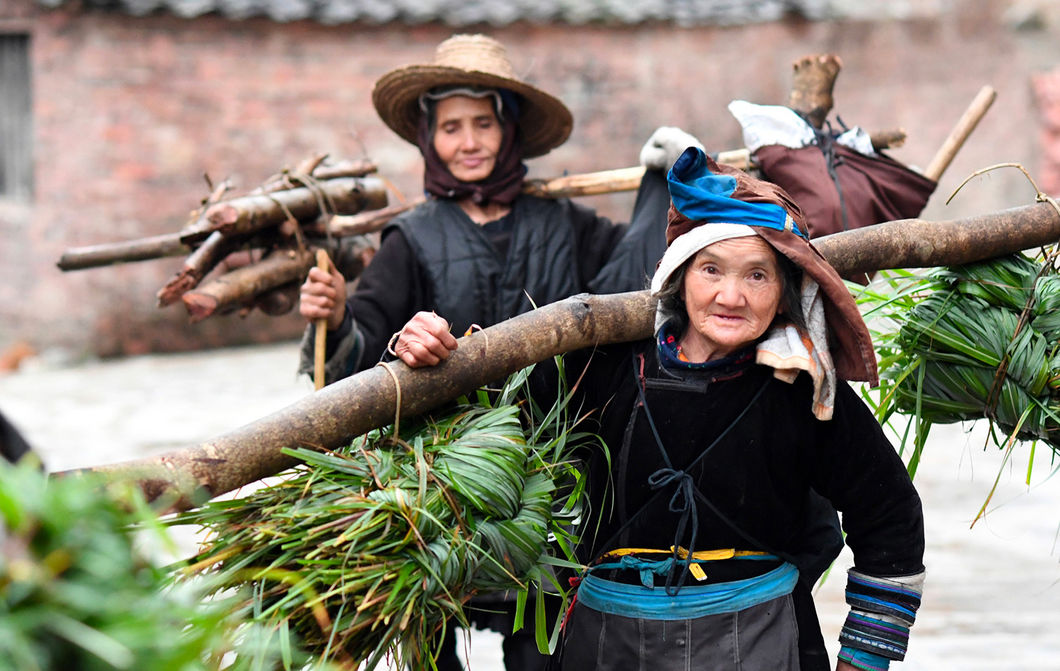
[849, 341]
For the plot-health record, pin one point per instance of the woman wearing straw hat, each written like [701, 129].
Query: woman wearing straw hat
[478, 251]
[718, 427]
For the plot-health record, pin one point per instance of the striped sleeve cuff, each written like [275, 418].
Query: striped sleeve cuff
[864, 660]
[882, 611]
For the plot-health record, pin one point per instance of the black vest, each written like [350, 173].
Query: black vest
[471, 284]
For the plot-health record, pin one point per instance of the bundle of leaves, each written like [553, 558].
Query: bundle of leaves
[78, 591]
[367, 553]
[972, 342]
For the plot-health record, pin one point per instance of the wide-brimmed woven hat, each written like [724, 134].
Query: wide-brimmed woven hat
[471, 60]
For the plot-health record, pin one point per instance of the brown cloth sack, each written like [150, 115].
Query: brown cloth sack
[872, 189]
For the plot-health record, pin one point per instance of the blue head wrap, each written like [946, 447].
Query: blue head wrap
[702, 195]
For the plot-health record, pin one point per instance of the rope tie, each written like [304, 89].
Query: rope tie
[682, 502]
[485, 335]
[397, 400]
[684, 492]
[390, 344]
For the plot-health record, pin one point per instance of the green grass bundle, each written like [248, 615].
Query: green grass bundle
[77, 590]
[946, 336]
[366, 554]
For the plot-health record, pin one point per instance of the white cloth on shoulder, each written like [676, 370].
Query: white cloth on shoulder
[789, 350]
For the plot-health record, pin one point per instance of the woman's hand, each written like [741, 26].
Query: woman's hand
[323, 296]
[843, 666]
[424, 341]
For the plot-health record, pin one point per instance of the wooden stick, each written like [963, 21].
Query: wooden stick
[355, 168]
[242, 285]
[612, 181]
[248, 214]
[364, 222]
[198, 264]
[196, 229]
[142, 249]
[957, 137]
[320, 346]
[886, 139]
[314, 168]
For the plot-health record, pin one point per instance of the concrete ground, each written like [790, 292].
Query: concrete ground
[992, 598]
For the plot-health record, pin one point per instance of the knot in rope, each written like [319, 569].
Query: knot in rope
[684, 493]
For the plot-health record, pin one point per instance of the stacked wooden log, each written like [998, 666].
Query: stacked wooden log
[260, 244]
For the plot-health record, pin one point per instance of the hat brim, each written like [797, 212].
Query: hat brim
[544, 121]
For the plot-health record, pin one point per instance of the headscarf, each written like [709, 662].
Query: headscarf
[707, 201]
[503, 184]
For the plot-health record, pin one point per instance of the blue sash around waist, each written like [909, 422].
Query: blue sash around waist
[691, 602]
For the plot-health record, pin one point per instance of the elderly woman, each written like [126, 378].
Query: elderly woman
[478, 251]
[717, 428]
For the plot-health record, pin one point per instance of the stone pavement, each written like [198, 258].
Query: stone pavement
[993, 593]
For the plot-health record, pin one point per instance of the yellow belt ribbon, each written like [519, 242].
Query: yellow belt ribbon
[700, 555]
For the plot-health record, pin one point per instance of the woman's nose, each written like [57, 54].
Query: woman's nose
[730, 291]
[468, 139]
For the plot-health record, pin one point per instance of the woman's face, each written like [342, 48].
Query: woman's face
[732, 292]
[467, 136]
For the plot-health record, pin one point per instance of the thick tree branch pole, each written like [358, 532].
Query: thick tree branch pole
[331, 417]
[916, 243]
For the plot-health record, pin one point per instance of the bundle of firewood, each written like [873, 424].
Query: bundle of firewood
[258, 246]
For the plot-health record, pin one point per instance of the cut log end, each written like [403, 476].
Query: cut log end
[199, 305]
[175, 288]
[222, 214]
[811, 89]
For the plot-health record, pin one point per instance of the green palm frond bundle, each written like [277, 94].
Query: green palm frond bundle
[79, 591]
[972, 342]
[366, 554]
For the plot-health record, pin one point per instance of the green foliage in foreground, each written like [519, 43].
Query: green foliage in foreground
[970, 342]
[78, 593]
[367, 553]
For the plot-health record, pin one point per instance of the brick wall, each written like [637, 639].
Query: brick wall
[130, 113]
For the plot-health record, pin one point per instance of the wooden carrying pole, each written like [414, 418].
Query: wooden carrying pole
[957, 137]
[330, 418]
[321, 331]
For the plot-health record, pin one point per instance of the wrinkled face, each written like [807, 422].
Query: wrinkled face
[467, 136]
[732, 292]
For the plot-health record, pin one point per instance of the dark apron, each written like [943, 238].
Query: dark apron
[660, 619]
[746, 625]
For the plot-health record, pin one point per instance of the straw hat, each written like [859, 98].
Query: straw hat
[471, 60]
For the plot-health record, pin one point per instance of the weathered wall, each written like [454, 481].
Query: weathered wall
[130, 113]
